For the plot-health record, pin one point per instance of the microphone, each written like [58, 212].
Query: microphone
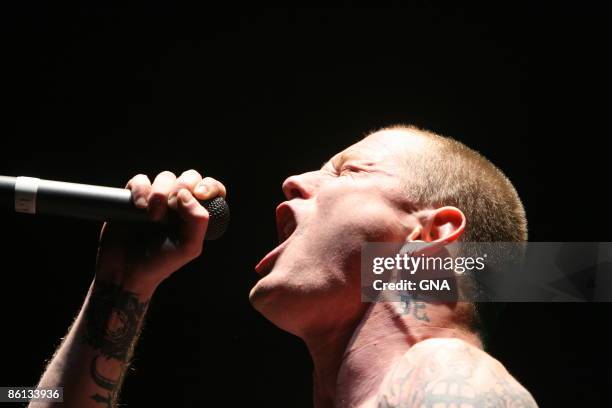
[37, 196]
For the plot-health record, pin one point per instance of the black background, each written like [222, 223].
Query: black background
[96, 93]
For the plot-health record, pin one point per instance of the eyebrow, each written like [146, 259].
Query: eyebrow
[342, 158]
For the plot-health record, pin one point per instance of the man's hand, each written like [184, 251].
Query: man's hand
[139, 257]
[133, 260]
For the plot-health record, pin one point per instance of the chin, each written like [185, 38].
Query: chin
[257, 296]
[279, 304]
[264, 294]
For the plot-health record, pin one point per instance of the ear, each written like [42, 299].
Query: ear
[444, 225]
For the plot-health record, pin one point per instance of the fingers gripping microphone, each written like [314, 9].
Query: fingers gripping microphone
[37, 196]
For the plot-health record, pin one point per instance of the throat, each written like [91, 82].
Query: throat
[328, 358]
[354, 375]
[375, 346]
[351, 364]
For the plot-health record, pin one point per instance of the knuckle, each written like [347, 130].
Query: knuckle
[191, 173]
[188, 179]
[139, 181]
[215, 184]
[135, 181]
[211, 182]
[166, 174]
[186, 196]
[180, 184]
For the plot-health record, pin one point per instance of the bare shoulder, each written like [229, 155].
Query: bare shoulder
[444, 373]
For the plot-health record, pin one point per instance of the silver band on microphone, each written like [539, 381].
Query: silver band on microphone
[26, 190]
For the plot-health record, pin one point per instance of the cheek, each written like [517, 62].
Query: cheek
[362, 213]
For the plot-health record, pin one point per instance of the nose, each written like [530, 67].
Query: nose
[301, 186]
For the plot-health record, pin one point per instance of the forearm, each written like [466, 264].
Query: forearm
[93, 358]
[92, 361]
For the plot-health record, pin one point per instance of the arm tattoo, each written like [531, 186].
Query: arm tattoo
[113, 320]
[453, 378]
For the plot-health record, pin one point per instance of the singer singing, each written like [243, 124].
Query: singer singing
[399, 184]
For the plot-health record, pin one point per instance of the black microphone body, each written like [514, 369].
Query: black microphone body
[37, 196]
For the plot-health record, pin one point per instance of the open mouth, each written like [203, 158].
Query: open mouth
[285, 222]
[286, 225]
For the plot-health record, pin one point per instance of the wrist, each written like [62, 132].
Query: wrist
[143, 289]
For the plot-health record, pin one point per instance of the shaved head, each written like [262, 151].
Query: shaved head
[444, 172]
[441, 171]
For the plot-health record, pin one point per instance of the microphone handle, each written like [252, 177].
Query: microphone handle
[37, 196]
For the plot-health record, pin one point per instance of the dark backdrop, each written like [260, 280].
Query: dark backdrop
[97, 93]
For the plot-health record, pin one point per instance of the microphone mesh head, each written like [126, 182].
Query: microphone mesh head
[219, 217]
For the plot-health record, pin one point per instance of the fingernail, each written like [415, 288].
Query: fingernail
[141, 202]
[201, 189]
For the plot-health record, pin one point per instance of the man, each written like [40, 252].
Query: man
[400, 184]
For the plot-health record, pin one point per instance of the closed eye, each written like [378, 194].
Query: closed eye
[348, 169]
[353, 168]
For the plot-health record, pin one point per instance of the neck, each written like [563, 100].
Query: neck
[351, 362]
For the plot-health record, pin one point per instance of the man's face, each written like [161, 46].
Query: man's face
[310, 282]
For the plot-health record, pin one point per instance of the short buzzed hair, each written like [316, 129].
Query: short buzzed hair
[455, 175]
[452, 174]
